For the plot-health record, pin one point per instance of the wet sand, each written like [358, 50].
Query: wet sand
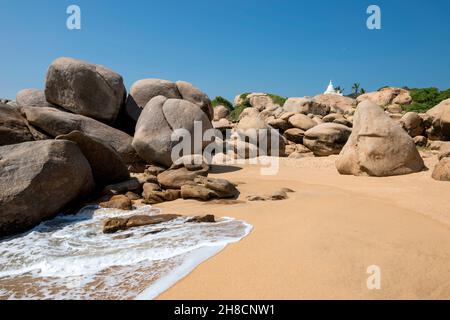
[319, 243]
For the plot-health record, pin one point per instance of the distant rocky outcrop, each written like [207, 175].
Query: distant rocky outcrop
[387, 97]
[440, 121]
[378, 146]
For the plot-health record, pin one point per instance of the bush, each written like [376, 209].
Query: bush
[277, 99]
[234, 115]
[426, 98]
[220, 101]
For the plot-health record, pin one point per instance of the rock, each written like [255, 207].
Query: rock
[253, 198]
[295, 135]
[249, 112]
[179, 175]
[440, 118]
[194, 95]
[344, 122]
[37, 180]
[197, 192]
[154, 197]
[145, 178]
[327, 138]
[120, 202]
[158, 121]
[258, 133]
[333, 117]
[279, 124]
[132, 196]
[55, 123]
[32, 98]
[394, 108]
[114, 225]
[242, 149]
[285, 116]
[209, 218]
[413, 124]
[441, 171]
[13, 127]
[142, 91]
[260, 101]
[221, 112]
[123, 187]
[87, 89]
[279, 195]
[300, 121]
[306, 105]
[222, 125]
[223, 188]
[378, 146]
[301, 155]
[420, 141]
[107, 165]
[336, 103]
[387, 96]
[154, 170]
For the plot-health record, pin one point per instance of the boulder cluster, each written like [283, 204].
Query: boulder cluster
[84, 137]
[371, 134]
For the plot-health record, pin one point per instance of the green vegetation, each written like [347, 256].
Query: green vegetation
[426, 98]
[220, 101]
[234, 115]
[277, 99]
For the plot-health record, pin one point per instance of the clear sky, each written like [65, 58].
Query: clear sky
[226, 47]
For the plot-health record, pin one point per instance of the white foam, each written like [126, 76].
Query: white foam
[70, 258]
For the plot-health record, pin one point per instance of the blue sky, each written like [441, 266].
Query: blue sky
[290, 47]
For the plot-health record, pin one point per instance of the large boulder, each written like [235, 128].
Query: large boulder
[84, 88]
[160, 118]
[301, 121]
[306, 105]
[107, 165]
[387, 96]
[260, 101]
[257, 132]
[190, 93]
[55, 123]
[336, 103]
[440, 119]
[13, 127]
[378, 146]
[413, 124]
[37, 180]
[32, 98]
[221, 112]
[441, 171]
[182, 174]
[326, 138]
[142, 91]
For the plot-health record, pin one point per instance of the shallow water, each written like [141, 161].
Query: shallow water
[69, 257]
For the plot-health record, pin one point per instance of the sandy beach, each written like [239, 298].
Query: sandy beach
[319, 243]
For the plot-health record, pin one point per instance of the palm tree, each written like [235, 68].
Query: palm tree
[338, 89]
[355, 88]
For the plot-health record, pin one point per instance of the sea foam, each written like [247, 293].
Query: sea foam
[69, 257]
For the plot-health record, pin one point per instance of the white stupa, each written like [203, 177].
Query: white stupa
[332, 90]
